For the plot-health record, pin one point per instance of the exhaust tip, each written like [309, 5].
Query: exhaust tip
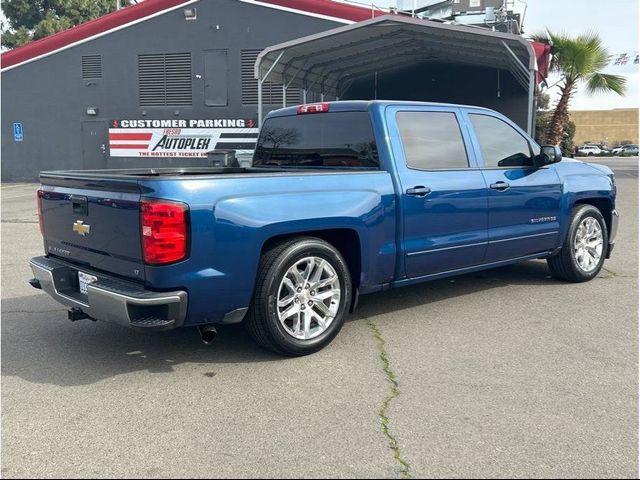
[208, 333]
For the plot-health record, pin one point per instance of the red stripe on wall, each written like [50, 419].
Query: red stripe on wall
[130, 136]
[148, 8]
[129, 146]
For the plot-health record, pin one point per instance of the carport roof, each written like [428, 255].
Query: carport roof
[326, 61]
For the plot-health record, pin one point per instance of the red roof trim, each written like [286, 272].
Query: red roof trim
[87, 30]
[147, 8]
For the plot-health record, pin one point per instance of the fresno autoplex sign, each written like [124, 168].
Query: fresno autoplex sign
[180, 137]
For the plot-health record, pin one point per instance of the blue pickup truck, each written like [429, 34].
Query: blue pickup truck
[342, 199]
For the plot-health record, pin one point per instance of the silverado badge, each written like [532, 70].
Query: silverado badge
[80, 228]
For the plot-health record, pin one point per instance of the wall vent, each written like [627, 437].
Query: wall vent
[165, 79]
[91, 67]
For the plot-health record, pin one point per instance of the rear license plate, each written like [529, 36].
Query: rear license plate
[85, 279]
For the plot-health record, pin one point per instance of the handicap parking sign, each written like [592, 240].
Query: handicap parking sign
[17, 132]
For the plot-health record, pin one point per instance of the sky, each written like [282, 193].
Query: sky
[616, 21]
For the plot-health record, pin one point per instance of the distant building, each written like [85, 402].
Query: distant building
[606, 126]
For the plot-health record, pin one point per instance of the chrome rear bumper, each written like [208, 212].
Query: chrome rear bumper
[109, 299]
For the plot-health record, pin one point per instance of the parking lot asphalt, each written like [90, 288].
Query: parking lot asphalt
[503, 373]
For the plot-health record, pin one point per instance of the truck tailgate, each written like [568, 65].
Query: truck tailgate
[94, 223]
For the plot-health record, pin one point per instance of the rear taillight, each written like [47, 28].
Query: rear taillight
[313, 108]
[164, 228]
[39, 195]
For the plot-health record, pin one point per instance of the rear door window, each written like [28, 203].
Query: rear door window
[432, 140]
[329, 140]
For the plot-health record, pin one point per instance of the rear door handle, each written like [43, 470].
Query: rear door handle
[419, 191]
[501, 186]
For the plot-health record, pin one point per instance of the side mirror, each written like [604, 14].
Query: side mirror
[548, 154]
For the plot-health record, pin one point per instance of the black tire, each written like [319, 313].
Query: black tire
[563, 265]
[263, 323]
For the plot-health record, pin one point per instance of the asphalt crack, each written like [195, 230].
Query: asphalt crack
[393, 394]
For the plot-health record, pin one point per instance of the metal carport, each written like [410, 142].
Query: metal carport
[479, 62]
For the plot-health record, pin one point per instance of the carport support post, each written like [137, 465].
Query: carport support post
[532, 110]
[260, 82]
[285, 86]
[531, 74]
[259, 103]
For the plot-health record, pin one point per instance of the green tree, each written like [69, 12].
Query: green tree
[566, 144]
[542, 125]
[28, 20]
[579, 61]
[542, 116]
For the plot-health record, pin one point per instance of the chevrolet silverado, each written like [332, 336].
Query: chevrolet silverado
[342, 199]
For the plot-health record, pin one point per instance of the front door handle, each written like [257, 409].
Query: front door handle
[501, 186]
[419, 191]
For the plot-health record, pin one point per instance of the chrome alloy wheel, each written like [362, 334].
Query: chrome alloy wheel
[308, 298]
[588, 244]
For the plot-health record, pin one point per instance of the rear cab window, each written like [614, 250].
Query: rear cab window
[318, 140]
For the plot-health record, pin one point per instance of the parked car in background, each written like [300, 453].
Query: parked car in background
[629, 151]
[591, 150]
[343, 198]
[619, 150]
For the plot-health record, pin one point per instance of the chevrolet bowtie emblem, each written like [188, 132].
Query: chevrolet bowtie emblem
[80, 228]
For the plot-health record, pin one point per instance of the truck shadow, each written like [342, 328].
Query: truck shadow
[531, 273]
[40, 346]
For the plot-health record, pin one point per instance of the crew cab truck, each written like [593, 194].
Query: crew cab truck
[342, 199]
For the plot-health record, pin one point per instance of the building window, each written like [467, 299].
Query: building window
[271, 92]
[91, 67]
[165, 79]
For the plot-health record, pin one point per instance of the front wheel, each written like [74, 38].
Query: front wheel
[583, 252]
[302, 293]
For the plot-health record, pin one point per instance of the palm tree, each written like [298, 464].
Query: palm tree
[579, 61]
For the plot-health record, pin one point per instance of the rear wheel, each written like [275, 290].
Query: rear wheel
[583, 252]
[302, 293]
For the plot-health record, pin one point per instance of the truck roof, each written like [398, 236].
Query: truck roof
[364, 105]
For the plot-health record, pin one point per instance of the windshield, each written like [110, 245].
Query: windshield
[325, 140]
